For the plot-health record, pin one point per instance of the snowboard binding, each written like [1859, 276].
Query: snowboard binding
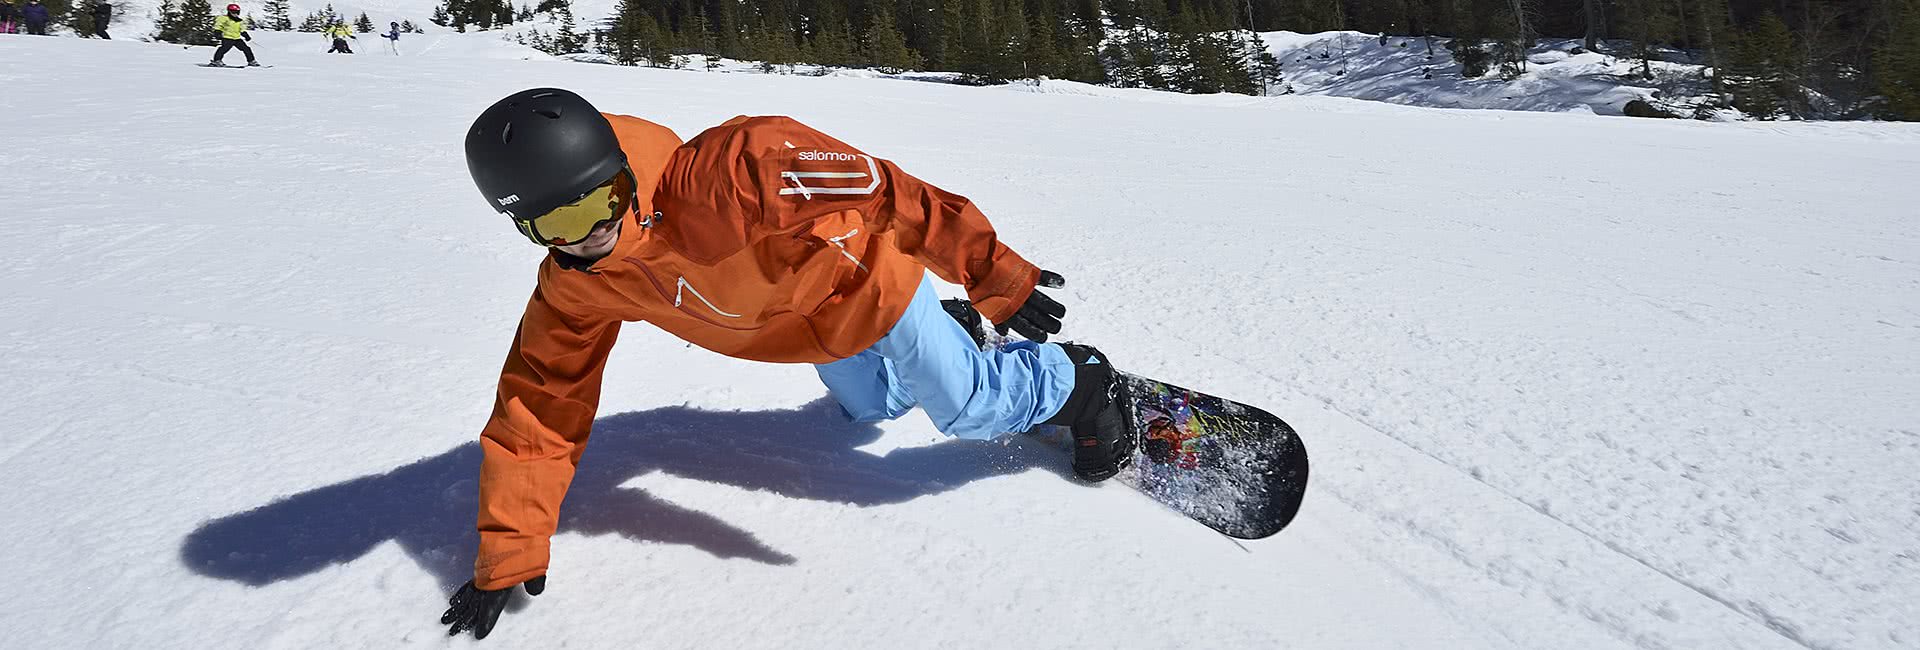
[1103, 441]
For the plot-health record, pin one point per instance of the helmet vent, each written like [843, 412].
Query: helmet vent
[549, 113]
[506, 134]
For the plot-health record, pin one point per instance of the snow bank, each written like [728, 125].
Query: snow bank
[1403, 71]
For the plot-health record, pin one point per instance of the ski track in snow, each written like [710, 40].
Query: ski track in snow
[1568, 381]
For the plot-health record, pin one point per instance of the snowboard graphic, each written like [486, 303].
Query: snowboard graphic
[1235, 468]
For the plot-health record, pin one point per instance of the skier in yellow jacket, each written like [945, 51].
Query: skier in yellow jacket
[340, 33]
[233, 34]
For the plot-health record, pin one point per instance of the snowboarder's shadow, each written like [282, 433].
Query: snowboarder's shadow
[428, 506]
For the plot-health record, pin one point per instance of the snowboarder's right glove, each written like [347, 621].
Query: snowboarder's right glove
[1040, 315]
[476, 609]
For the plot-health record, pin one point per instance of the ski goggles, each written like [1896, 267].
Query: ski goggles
[571, 223]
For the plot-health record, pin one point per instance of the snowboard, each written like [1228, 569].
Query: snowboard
[1235, 468]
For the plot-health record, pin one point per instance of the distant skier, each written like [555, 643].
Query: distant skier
[35, 15]
[232, 30]
[7, 13]
[393, 38]
[102, 16]
[759, 239]
[340, 33]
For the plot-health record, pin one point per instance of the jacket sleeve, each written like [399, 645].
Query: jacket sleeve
[549, 392]
[803, 174]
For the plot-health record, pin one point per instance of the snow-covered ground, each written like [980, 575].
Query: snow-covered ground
[1403, 71]
[1568, 381]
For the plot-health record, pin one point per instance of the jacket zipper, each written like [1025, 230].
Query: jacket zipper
[662, 289]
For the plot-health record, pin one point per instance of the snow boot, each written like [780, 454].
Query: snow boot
[1102, 442]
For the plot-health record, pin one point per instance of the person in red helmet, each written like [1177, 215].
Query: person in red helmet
[233, 34]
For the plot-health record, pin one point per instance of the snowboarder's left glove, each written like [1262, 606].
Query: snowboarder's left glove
[1040, 315]
[246, 36]
[476, 609]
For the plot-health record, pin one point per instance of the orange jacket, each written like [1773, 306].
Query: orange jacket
[768, 241]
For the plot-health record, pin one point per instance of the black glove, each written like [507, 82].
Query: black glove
[476, 609]
[246, 36]
[1040, 315]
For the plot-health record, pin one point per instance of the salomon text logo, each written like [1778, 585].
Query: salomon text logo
[825, 155]
[829, 182]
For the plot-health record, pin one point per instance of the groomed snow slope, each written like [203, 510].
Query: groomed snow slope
[1568, 381]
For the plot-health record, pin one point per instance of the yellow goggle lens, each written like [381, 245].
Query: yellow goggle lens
[573, 222]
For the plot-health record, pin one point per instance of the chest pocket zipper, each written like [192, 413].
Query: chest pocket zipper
[841, 243]
[682, 287]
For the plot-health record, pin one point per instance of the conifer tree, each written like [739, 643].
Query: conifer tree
[1008, 25]
[697, 34]
[1042, 57]
[883, 46]
[1651, 24]
[949, 45]
[774, 43]
[1078, 37]
[635, 36]
[363, 24]
[197, 15]
[726, 29]
[75, 17]
[1896, 64]
[188, 23]
[1760, 74]
[279, 16]
[832, 36]
[977, 48]
[315, 22]
[567, 40]
[165, 15]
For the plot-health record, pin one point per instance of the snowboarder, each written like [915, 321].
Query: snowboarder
[340, 33]
[7, 11]
[35, 15]
[232, 30]
[102, 16]
[393, 38]
[760, 239]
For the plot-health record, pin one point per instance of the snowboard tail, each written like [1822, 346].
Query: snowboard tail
[1235, 468]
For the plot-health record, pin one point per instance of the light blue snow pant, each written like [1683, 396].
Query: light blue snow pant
[928, 359]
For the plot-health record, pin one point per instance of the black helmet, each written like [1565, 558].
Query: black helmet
[540, 149]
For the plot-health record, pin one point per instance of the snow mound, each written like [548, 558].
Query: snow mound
[1404, 70]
